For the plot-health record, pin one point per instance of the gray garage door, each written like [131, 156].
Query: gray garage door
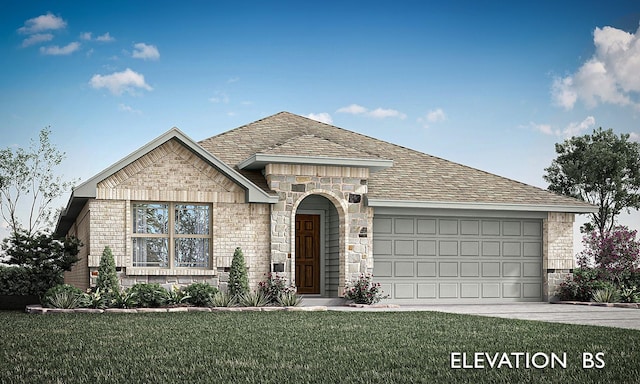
[445, 259]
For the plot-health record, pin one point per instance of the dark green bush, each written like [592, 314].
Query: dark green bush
[64, 296]
[16, 281]
[149, 295]
[200, 294]
[582, 285]
[44, 257]
[238, 279]
[107, 281]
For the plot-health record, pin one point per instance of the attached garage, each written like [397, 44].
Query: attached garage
[447, 259]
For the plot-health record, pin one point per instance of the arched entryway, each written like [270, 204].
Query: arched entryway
[317, 246]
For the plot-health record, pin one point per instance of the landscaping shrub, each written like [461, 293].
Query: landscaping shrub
[44, 258]
[275, 287]
[176, 296]
[149, 295]
[63, 296]
[126, 298]
[607, 294]
[629, 294]
[253, 299]
[97, 298]
[16, 281]
[238, 280]
[107, 281]
[289, 299]
[363, 291]
[223, 299]
[581, 285]
[200, 294]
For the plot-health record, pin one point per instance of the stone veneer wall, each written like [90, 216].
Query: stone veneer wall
[345, 188]
[558, 259]
[172, 173]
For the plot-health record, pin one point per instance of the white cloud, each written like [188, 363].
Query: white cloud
[127, 108]
[573, 129]
[381, 113]
[378, 113]
[106, 38]
[36, 39]
[48, 22]
[634, 137]
[144, 51]
[432, 116]
[353, 109]
[576, 129]
[119, 82]
[85, 36]
[322, 117]
[220, 97]
[610, 76]
[58, 51]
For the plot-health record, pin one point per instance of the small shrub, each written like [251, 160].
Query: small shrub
[608, 294]
[200, 294]
[363, 291]
[97, 298]
[275, 287]
[629, 294]
[289, 299]
[126, 298]
[238, 280]
[107, 281]
[176, 296]
[223, 299]
[63, 296]
[581, 285]
[149, 295]
[16, 281]
[253, 299]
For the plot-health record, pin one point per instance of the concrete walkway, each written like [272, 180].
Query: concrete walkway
[555, 313]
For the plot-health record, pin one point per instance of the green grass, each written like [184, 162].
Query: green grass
[296, 347]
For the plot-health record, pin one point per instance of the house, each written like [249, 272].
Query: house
[321, 205]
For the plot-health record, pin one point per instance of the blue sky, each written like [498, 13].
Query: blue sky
[492, 85]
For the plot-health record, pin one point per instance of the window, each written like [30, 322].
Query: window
[171, 235]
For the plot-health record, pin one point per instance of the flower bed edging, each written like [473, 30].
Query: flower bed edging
[594, 304]
[39, 310]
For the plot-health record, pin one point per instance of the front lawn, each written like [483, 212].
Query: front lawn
[298, 347]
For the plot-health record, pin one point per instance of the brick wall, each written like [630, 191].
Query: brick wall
[79, 274]
[558, 258]
[172, 173]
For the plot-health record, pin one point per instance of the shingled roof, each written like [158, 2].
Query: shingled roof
[415, 177]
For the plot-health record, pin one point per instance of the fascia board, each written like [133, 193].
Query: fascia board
[480, 206]
[259, 160]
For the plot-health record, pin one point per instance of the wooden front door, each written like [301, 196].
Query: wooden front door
[308, 254]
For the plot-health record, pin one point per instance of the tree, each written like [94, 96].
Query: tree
[107, 277]
[602, 169]
[238, 280]
[27, 178]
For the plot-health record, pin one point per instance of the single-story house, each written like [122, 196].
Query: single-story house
[320, 205]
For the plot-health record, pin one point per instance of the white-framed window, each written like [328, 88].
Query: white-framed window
[171, 235]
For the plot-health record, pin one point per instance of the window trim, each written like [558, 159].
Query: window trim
[171, 236]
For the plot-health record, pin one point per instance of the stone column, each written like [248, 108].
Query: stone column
[558, 259]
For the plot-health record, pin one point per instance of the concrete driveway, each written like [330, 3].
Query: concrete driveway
[556, 313]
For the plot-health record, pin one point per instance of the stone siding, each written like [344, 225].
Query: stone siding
[344, 187]
[558, 259]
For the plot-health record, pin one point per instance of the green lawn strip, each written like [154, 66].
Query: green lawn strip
[301, 347]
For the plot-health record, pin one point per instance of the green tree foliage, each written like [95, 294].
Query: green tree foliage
[602, 169]
[238, 280]
[107, 277]
[44, 258]
[28, 184]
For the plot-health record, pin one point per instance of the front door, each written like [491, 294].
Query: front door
[308, 254]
